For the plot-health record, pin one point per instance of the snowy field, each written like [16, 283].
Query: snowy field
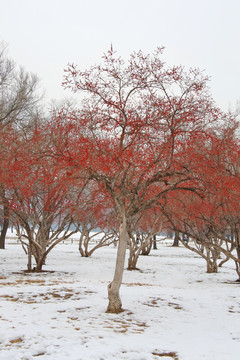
[173, 308]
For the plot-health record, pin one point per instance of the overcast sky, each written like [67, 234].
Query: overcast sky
[44, 35]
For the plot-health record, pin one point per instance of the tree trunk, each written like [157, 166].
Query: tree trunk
[211, 267]
[211, 263]
[4, 229]
[115, 303]
[82, 249]
[132, 260]
[40, 263]
[5, 218]
[84, 241]
[237, 265]
[176, 239]
[40, 257]
[29, 265]
[147, 248]
[154, 242]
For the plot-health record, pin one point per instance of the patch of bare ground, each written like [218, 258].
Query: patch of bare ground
[137, 284]
[15, 341]
[82, 308]
[60, 295]
[24, 282]
[10, 298]
[39, 354]
[233, 310]
[18, 340]
[38, 282]
[175, 306]
[155, 302]
[90, 292]
[125, 325]
[172, 355]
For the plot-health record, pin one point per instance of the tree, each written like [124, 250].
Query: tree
[96, 219]
[141, 234]
[19, 104]
[42, 197]
[7, 150]
[19, 94]
[101, 238]
[134, 123]
[211, 219]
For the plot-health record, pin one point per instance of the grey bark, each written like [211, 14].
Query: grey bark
[115, 303]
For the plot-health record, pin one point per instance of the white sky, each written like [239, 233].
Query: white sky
[44, 35]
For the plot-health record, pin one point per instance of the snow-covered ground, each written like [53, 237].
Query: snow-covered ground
[173, 308]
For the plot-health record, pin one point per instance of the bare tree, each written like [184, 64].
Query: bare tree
[19, 92]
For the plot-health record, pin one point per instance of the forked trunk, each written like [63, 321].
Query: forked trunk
[132, 260]
[83, 241]
[212, 266]
[81, 251]
[40, 264]
[40, 258]
[115, 303]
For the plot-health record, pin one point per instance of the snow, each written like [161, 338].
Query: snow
[172, 307]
